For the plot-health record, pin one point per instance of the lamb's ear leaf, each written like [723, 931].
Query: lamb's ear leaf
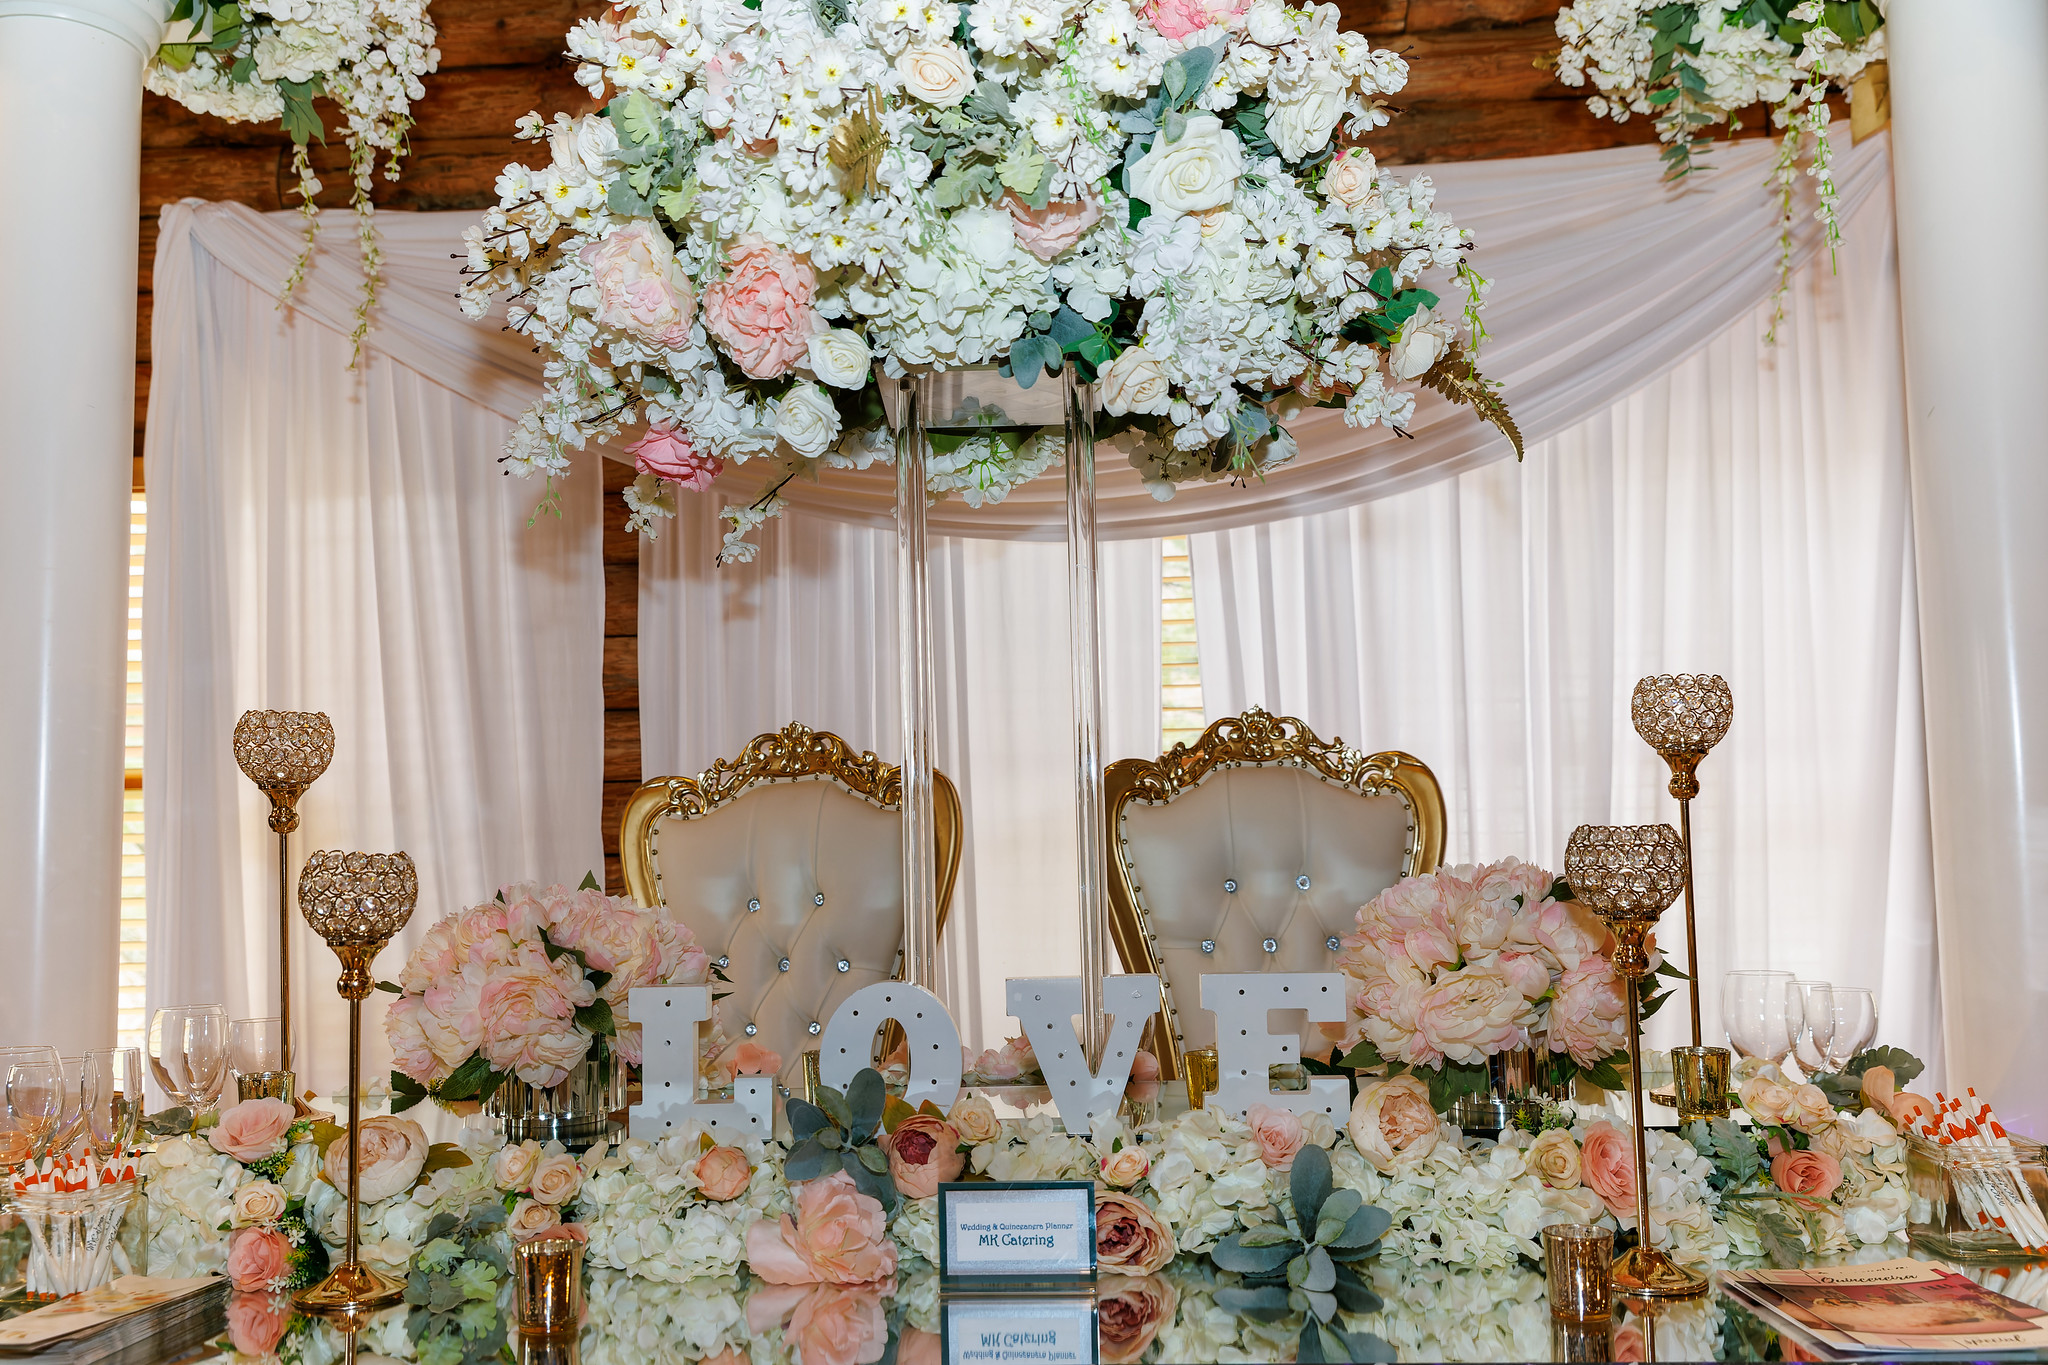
[1366, 1225]
[865, 1099]
[1353, 1294]
[1335, 1215]
[1309, 1183]
[835, 1105]
[807, 1162]
[1232, 1253]
[805, 1118]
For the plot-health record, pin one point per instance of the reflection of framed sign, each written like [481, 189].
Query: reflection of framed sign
[1016, 1233]
[1000, 1330]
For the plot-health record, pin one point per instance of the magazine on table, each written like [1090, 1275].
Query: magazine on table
[1890, 1308]
[132, 1301]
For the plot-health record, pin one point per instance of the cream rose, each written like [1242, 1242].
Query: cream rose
[975, 1118]
[1126, 1166]
[1134, 382]
[1197, 171]
[1352, 179]
[1303, 122]
[1554, 1158]
[937, 73]
[530, 1217]
[1421, 344]
[1768, 1101]
[393, 1151]
[512, 1166]
[840, 358]
[556, 1178]
[259, 1201]
[806, 421]
[1392, 1123]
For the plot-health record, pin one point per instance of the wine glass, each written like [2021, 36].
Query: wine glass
[1762, 1012]
[1853, 1020]
[16, 1142]
[188, 1053]
[71, 1111]
[1811, 1051]
[257, 1045]
[113, 1100]
[35, 1100]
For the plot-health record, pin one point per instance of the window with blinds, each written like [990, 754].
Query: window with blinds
[134, 929]
[1180, 660]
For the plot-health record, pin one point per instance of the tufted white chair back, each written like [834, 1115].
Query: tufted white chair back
[786, 864]
[1252, 850]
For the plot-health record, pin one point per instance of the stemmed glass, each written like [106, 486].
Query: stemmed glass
[1763, 1013]
[1852, 1019]
[113, 1100]
[35, 1100]
[188, 1053]
[1815, 1009]
[18, 1138]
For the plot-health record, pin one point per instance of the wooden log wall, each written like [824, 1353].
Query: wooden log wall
[1480, 87]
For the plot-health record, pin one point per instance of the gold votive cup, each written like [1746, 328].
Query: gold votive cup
[1199, 1070]
[1578, 1263]
[1699, 1082]
[813, 1077]
[547, 1291]
[1588, 1341]
[263, 1085]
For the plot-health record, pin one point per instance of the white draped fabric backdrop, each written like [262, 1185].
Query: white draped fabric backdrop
[1691, 500]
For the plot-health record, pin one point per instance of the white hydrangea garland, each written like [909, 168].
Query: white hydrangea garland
[782, 195]
[1697, 63]
[264, 61]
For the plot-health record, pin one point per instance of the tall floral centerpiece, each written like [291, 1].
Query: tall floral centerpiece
[530, 985]
[785, 200]
[263, 61]
[1449, 969]
[1694, 64]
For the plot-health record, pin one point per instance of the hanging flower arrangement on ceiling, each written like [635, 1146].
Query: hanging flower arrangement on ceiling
[266, 61]
[785, 200]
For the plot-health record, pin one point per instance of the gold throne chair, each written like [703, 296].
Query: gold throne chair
[786, 864]
[1252, 850]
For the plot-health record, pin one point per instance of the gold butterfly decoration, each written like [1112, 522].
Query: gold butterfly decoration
[856, 149]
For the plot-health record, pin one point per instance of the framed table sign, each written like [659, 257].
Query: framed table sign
[1017, 1329]
[1017, 1234]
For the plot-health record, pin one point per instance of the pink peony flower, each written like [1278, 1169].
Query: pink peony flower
[761, 311]
[252, 1130]
[749, 1058]
[450, 1018]
[1392, 1124]
[1279, 1133]
[669, 454]
[258, 1258]
[1607, 1167]
[1570, 932]
[828, 1324]
[1130, 1239]
[1046, 232]
[1472, 1013]
[528, 1012]
[923, 1155]
[257, 1322]
[837, 1235]
[1144, 1067]
[1813, 1173]
[642, 289]
[1176, 19]
[405, 1030]
[1589, 1016]
[723, 1173]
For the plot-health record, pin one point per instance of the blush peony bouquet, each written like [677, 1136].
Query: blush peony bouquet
[785, 201]
[1448, 969]
[528, 985]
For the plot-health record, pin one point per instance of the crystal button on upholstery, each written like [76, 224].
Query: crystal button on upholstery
[783, 965]
[752, 1029]
[843, 965]
[1231, 886]
[814, 1028]
[753, 905]
[818, 899]
[1333, 943]
[1301, 882]
[1271, 945]
[1208, 945]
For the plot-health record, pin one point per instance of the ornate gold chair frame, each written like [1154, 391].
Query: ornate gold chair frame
[1253, 739]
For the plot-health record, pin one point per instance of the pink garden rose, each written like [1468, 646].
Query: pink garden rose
[1279, 1133]
[1130, 1239]
[1589, 1017]
[669, 454]
[1130, 1313]
[1178, 18]
[1046, 232]
[1813, 1173]
[1006, 1063]
[1125, 1166]
[394, 1150]
[749, 1058]
[723, 1173]
[1392, 1123]
[642, 289]
[827, 1324]
[257, 1322]
[761, 311]
[836, 1235]
[1607, 1165]
[252, 1130]
[923, 1155]
[258, 1258]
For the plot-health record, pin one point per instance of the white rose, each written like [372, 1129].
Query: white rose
[1421, 344]
[1135, 383]
[1197, 172]
[1268, 24]
[1303, 123]
[259, 1201]
[584, 147]
[937, 73]
[1351, 177]
[806, 421]
[839, 358]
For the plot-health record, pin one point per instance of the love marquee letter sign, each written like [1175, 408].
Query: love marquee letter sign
[1046, 1005]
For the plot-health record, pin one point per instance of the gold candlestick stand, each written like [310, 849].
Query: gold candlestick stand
[1683, 718]
[1629, 875]
[356, 901]
[283, 753]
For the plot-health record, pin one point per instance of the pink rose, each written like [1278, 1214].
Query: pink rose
[530, 1218]
[252, 1130]
[1607, 1166]
[1006, 1063]
[1129, 1314]
[1628, 1342]
[1129, 1238]
[258, 1258]
[405, 1030]
[1144, 1066]
[723, 1173]
[1279, 1133]
[1472, 1013]
[1046, 232]
[556, 1179]
[837, 1235]
[1554, 1159]
[257, 1322]
[1392, 1124]
[1589, 1016]
[1352, 178]
[563, 1232]
[641, 287]
[828, 1324]
[761, 311]
[512, 1165]
[1812, 1173]
[1125, 1167]
[393, 1150]
[669, 454]
[1178, 18]
[923, 1154]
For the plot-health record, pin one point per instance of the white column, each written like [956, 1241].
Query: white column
[1972, 203]
[71, 102]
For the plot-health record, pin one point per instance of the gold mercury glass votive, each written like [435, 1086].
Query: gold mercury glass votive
[547, 1293]
[1201, 1074]
[1578, 1262]
[263, 1085]
[1699, 1082]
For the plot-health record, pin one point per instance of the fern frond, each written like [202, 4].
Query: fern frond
[1458, 379]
